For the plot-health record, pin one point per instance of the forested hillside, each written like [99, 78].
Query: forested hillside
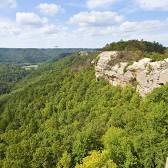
[144, 46]
[9, 75]
[59, 116]
[32, 56]
[139, 49]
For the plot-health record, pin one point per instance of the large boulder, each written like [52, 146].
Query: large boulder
[145, 75]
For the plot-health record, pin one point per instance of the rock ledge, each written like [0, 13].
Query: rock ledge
[144, 74]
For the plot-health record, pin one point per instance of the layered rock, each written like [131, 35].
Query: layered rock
[144, 74]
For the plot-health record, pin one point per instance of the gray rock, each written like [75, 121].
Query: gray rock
[144, 75]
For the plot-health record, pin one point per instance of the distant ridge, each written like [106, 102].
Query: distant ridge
[34, 55]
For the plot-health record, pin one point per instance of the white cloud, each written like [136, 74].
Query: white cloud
[7, 27]
[33, 25]
[98, 36]
[20, 35]
[147, 30]
[143, 26]
[92, 4]
[153, 4]
[96, 18]
[49, 9]
[94, 29]
[52, 29]
[30, 19]
[7, 3]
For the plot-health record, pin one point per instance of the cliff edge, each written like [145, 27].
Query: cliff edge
[144, 74]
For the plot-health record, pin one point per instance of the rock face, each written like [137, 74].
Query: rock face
[83, 53]
[144, 75]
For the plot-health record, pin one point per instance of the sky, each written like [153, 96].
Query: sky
[81, 23]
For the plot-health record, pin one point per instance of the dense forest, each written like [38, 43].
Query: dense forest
[134, 50]
[34, 56]
[9, 75]
[144, 46]
[60, 117]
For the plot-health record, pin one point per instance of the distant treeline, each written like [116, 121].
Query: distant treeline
[34, 56]
[144, 46]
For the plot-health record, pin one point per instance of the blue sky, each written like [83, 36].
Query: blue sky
[81, 23]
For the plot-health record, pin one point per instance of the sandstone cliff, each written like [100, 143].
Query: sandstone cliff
[144, 74]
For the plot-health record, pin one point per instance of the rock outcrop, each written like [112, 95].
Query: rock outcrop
[145, 75]
[83, 53]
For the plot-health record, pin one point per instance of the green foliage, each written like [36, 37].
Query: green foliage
[60, 117]
[157, 56]
[134, 50]
[9, 75]
[133, 45]
[65, 161]
[96, 159]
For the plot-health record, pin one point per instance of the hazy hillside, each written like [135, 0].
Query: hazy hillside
[59, 116]
[33, 56]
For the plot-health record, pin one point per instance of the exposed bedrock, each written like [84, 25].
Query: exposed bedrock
[144, 74]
